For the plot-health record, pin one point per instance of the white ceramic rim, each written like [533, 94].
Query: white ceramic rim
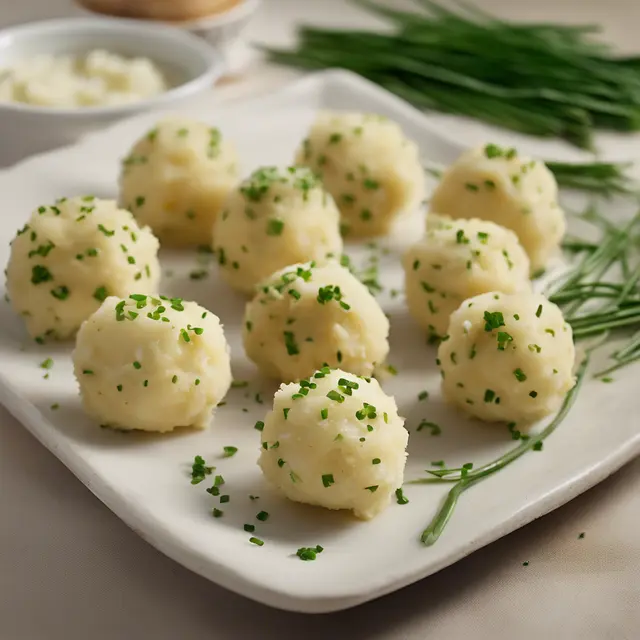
[172, 35]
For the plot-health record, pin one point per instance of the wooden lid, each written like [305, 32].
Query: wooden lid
[165, 10]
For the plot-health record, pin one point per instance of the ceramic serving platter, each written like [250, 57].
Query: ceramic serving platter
[145, 479]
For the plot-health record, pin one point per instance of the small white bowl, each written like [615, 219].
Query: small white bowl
[223, 30]
[190, 64]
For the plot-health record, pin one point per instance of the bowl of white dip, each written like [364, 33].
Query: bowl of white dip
[62, 79]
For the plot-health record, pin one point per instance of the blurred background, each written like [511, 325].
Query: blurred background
[619, 18]
[240, 29]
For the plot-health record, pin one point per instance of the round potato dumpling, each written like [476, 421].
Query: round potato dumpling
[276, 217]
[306, 316]
[368, 165]
[456, 260]
[152, 364]
[176, 179]
[514, 191]
[70, 256]
[335, 440]
[508, 357]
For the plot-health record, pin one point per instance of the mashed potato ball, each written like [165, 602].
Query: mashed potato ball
[335, 440]
[456, 260]
[176, 179]
[514, 191]
[306, 316]
[151, 363]
[278, 216]
[368, 165]
[70, 256]
[508, 357]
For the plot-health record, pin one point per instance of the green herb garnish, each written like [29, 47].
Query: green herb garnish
[309, 553]
[199, 470]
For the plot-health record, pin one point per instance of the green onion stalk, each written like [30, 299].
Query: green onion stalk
[464, 479]
[540, 79]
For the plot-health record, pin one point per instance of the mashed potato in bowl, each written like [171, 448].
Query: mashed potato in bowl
[100, 78]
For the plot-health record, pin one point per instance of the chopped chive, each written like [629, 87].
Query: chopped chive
[327, 480]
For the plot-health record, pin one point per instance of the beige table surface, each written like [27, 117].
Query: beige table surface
[69, 569]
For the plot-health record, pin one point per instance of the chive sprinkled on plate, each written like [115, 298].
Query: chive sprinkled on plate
[308, 554]
[434, 428]
[199, 470]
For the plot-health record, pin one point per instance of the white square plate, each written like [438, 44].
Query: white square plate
[144, 479]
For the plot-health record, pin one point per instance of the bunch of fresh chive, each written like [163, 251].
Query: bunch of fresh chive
[541, 79]
[601, 178]
[596, 303]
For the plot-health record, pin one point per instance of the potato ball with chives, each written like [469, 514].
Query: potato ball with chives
[458, 259]
[305, 316]
[151, 364]
[368, 165]
[278, 216]
[497, 184]
[335, 440]
[508, 357]
[177, 177]
[70, 256]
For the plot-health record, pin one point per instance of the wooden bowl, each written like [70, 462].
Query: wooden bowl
[162, 10]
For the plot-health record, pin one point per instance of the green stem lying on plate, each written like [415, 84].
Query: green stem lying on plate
[431, 534]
